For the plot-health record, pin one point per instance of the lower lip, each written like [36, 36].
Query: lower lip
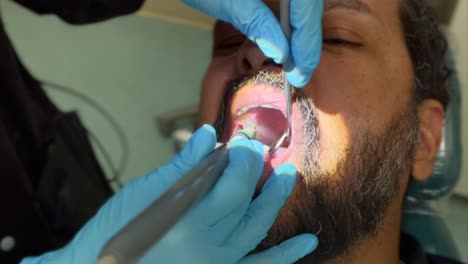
[271, 162]
[279, 157]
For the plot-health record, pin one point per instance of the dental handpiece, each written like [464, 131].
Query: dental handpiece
[147, 228]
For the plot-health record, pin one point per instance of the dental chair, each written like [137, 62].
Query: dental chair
[423, 214]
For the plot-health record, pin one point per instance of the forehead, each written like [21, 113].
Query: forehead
[385, 11]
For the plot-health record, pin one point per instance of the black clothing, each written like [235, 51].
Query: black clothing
[50, 181]
[411, 252]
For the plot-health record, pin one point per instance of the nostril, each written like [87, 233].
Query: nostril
[249, 65]
[246, 64]
[270, 62]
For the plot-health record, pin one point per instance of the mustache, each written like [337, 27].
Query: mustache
[310, 130]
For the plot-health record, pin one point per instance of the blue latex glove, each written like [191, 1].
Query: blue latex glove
[258, 23]
[222, 228]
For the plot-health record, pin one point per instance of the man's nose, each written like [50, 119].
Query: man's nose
[251, 60]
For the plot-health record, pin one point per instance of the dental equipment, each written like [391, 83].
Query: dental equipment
[142, 232]
[286, 26]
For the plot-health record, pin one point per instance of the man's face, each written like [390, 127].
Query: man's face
[354, 125]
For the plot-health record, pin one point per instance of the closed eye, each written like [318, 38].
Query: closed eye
[229, 47]
[341, 42]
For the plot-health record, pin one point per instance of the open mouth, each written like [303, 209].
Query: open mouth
[263, 108]
[268, 123]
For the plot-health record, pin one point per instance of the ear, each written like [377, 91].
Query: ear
[431, 124]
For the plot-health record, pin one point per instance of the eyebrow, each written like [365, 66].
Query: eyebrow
[353, 5]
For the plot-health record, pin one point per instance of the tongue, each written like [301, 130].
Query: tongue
[269, 123]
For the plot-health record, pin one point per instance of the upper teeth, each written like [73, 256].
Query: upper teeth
[244, 109]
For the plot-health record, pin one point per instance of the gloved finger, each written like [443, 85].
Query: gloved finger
[306, 40]
[236, 186]
[287, 252]
[264, 209]
[254, 19]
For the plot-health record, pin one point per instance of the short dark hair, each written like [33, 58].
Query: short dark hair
[428, 48]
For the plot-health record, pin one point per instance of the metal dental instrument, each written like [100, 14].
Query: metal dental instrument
[286, 26]
[147, 228]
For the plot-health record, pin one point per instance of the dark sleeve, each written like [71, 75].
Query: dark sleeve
[83, 11]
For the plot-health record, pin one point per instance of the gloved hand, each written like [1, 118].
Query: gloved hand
[222, 228]
[258, 23]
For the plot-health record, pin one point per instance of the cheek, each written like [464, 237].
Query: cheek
[335, 138]
[356, 87]
[352, 93]
[341, 99]
[217, 80]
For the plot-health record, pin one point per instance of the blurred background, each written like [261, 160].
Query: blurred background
[119, 67]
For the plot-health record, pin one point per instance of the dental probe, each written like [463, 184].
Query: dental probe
[142, 232]
[286, 26]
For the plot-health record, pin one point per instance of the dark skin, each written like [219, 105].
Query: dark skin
[364, 79]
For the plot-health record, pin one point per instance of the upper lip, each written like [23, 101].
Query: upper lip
[276, 100]
[245, 109]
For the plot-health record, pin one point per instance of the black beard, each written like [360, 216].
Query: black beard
[344, 207]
